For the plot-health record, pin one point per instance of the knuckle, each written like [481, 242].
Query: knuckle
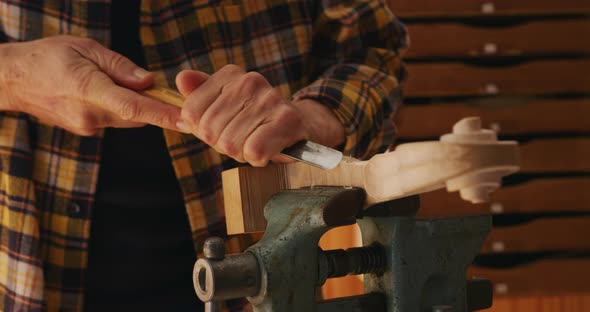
[129, 109]
[255, 154]
[274, 96]
[251, 82]
[229, 148]
[86, 124]
[206, 133]
[190, 115]
[231, 69]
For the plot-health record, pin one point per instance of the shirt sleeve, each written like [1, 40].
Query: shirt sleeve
[356, 70]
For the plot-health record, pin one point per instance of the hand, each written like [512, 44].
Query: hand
[241, 115]
[78, 85]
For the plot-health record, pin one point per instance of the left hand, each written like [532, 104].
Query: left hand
[241, 115]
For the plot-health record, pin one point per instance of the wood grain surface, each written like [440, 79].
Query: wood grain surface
[556, 155]
[547, 77]
[508, 116]
[535, 38]
[551, 195]
[410, 169]
[541, 278]
[458, 8]
[540, 235]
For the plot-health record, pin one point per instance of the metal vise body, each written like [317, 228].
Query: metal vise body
[409, 264]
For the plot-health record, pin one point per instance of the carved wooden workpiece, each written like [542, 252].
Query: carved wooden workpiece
[470, 160]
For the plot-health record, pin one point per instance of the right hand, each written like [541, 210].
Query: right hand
[79, 85]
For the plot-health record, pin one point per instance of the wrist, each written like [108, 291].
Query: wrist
[9, 73]
[321, 122]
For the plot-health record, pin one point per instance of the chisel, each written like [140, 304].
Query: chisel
[305, 151]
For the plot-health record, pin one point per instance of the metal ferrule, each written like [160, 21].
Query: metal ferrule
[236, 276]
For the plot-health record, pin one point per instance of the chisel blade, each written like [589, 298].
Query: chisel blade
[314, 154]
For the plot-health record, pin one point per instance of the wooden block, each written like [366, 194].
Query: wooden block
[537, 38]
[535, 196]
[461, 8]
[544, 277]
[534, 78]
[546, 234]
[507, 116]
[460, 161]
[556, 155]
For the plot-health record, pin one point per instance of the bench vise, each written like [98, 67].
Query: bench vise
[409, 264]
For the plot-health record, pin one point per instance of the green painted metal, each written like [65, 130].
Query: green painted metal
[420, 264]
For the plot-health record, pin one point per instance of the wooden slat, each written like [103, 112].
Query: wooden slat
[435, 40]
[549, 303]
[556, 155]
[536, 196]
[545, 277]
[546, 234]
[436, 8]
[539, 77]
[508, 117]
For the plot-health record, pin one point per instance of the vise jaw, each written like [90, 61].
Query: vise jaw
[409, 264]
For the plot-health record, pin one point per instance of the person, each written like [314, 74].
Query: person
[106, 196]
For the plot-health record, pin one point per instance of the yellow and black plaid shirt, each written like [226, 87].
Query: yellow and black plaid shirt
[341, 53]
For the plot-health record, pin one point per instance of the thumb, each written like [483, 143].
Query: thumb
[189, 80]
[119, 68]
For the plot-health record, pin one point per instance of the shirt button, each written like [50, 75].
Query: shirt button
[74, 209]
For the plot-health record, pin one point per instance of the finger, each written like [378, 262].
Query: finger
[119, 123]
[195, 106]
[131, 106]
[281, 159]
[189, 80]
[220, 114]
[235, 132]
[119, 68]
[271, 138]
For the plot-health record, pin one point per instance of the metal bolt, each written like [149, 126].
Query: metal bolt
[488, 8]
[498, 246]
[214, 248]
[491, 88]
[501, 288]
[490, 48]
[497, 208]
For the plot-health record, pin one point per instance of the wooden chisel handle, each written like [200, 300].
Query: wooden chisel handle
[165, 95]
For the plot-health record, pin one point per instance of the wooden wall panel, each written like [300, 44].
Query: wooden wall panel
[555, 155]
[538, 77]
[507, 116]
[458, 8]
[546, 234]
[529, 39]
[546, 277]
[535, 196]
[563, 303]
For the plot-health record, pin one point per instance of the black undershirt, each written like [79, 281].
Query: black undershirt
[141, 253]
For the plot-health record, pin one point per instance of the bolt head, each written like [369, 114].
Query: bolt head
[214, 248]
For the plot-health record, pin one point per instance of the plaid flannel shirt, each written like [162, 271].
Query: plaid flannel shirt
[343, 54]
